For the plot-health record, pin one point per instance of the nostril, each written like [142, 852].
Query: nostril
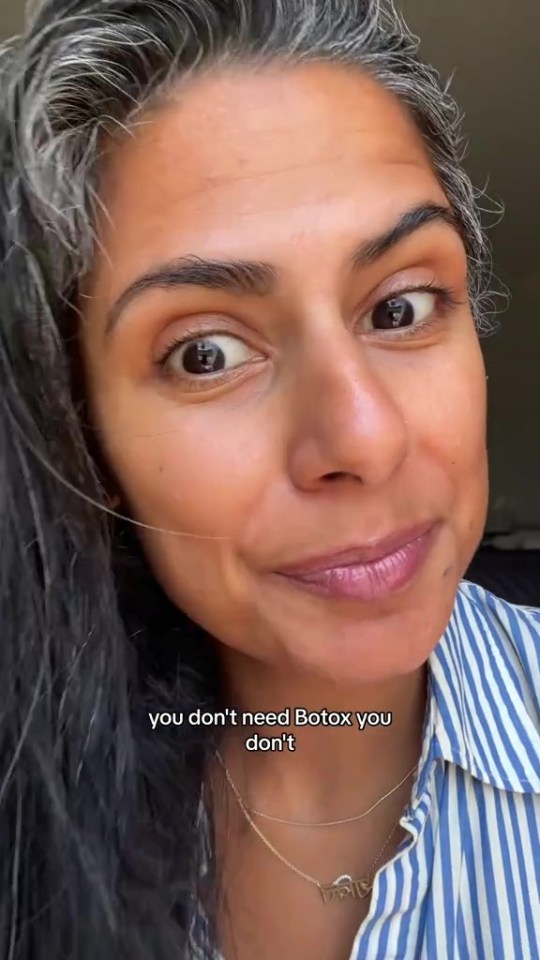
[335, 476]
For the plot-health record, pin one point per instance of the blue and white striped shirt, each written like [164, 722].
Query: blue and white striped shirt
[465, 883]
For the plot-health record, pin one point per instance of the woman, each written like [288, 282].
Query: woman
[244, 469]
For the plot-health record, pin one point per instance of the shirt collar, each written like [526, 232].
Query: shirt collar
[482, 711]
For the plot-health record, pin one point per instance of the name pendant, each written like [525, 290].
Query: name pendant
[345, 887]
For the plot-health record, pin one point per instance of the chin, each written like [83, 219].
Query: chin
[374, 643]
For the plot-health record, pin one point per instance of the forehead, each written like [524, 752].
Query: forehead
[238, 152]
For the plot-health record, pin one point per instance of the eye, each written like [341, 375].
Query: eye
[203, 355]
[405, 310]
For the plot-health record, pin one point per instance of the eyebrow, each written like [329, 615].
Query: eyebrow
[254, 277]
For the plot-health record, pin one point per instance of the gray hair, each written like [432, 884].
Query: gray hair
[84, 68]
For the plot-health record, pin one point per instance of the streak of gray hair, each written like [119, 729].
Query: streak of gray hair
[86, 68]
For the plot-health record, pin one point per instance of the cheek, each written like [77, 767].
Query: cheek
[197, 472]
[455, 412]
[193, 468]
[450, 427]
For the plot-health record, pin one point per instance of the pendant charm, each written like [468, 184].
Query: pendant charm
[345, 887]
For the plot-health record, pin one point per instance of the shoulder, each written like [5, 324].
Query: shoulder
[485, 675]
[512, 632]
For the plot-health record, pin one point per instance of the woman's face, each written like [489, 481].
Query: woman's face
[316, 405]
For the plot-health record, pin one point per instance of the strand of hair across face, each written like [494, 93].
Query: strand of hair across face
[102, 506]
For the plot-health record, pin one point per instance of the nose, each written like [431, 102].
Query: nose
[347, 422]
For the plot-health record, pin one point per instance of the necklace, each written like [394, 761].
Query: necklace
[343, 886]
[332, 823]
[301, 823]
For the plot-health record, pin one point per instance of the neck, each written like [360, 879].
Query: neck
[333, 771]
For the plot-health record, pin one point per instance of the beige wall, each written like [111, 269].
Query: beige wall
[11, 13]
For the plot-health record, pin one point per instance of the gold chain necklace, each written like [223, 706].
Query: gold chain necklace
[302, 823]
[331, 823]
[341, 888]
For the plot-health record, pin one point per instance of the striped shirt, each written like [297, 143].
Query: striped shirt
[464, 884]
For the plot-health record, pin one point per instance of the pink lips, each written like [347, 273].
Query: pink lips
[365, 572]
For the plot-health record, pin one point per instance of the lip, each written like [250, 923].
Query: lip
[357, 555]
[367, 573]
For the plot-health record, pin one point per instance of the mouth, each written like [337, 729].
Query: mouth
[366, 572]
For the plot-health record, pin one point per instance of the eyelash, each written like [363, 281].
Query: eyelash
[447, 302]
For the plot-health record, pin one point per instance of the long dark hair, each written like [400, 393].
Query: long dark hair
[101, 849]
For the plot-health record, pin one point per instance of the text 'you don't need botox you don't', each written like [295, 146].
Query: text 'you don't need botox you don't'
[289, 717]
